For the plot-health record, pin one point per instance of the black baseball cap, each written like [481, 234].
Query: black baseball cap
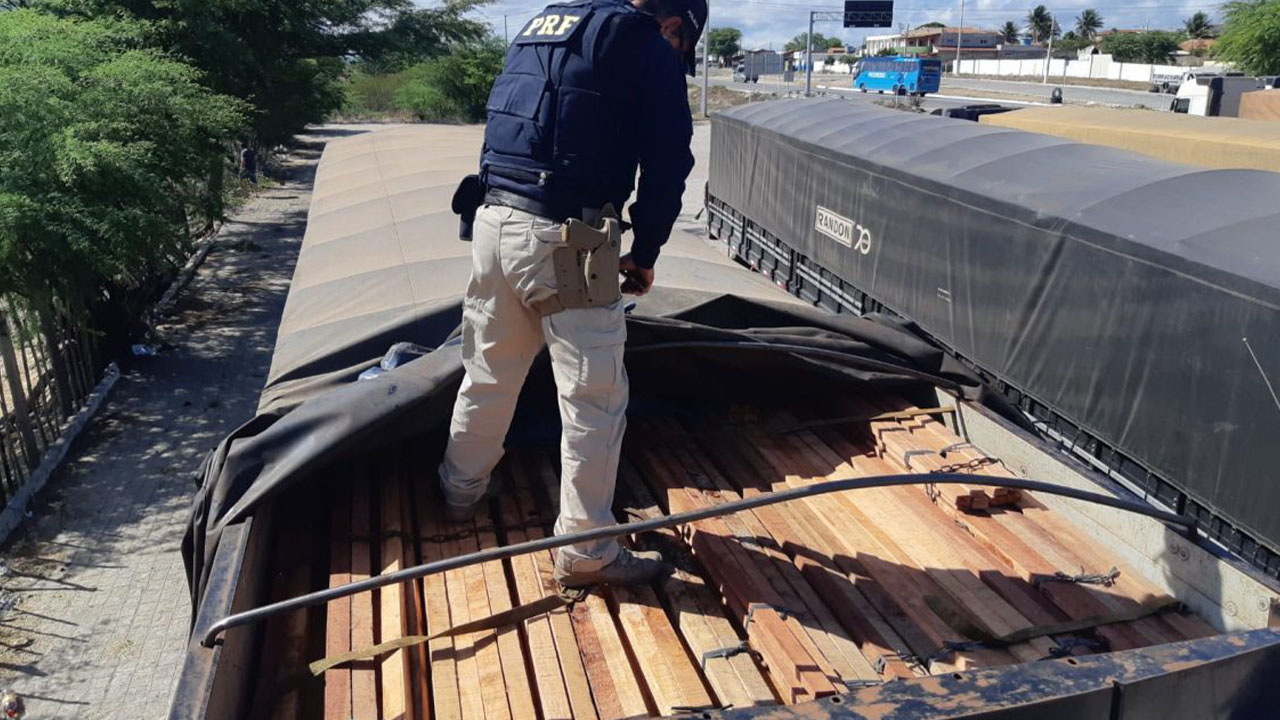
[693, 15]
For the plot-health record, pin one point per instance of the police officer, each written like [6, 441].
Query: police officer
[591, 90]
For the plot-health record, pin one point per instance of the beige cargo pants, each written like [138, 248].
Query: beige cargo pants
[501, 334]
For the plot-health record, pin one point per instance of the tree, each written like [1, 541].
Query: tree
[1041, 23]
[105, 146]
[1088, 23]
[820, 42]
[1010, 32]
[1199, 26]
[1251, 37]
[286, 56]
[932, 25]
[455, 86]
[1155, 47]
[725, 42]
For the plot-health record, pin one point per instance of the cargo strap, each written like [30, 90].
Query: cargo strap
[853, 419]
[587, 267]
[984, 640]
[1106, 579]
[564, 598]
[744, 646]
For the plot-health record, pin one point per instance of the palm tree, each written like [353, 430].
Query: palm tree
[1198, 25]
[1088, 23]
[1010, 32]
[1040, 21]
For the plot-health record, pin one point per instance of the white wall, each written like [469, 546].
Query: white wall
[1097, 66]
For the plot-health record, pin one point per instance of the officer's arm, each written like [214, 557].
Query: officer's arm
[665, 131]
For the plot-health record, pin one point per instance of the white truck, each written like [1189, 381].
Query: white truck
[757, 63]
[1214, 94]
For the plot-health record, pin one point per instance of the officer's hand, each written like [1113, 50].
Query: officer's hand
[638, 280]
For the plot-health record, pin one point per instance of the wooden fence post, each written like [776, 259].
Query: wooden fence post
[21, 414]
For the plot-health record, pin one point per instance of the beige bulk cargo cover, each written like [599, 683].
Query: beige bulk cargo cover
[1212, 142]
[1260, 105]
[381, 261]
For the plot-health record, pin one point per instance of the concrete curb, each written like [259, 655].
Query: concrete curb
[16, 510]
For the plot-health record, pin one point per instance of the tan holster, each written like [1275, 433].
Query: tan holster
[587, 269]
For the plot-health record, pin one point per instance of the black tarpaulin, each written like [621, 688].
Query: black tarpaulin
[1139, 299]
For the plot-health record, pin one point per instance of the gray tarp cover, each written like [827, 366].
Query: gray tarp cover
[1114, 288]
[381, 264]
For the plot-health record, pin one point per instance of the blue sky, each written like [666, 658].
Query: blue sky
[773, 22]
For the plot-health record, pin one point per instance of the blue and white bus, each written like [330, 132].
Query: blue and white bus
[898, 75]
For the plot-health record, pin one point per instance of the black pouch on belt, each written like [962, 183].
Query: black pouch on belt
[466, 200]
[587, 269]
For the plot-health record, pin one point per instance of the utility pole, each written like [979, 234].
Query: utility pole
[706, 54]
[505, 36]
[1048, 58]
[808, 62]
[959, 36]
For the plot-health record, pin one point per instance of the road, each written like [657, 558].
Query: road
[957, 92]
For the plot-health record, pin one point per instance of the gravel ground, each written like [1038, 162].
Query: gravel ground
[94, 610]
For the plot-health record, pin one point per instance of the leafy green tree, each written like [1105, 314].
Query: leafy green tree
[1199, 26]
[1155, 47]
[820, 42]
[286, 56]
[725, 42]
[932, 25]
[1041, 23]
[1088, 23]
[1251, 37]
[453, 87]
[105, 149]
[1010, 32]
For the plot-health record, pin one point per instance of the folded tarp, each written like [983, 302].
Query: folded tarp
[1116, 289]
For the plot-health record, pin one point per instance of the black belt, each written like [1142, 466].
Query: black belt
[509, 199]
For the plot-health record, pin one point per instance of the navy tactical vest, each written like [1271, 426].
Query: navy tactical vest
[549, 123]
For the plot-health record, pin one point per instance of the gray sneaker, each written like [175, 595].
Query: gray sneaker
[629, 568]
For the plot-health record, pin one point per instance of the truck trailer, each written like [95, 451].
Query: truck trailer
[863, 524]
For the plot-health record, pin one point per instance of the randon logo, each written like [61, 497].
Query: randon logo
[843, 230]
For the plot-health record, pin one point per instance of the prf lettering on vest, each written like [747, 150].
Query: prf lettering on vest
[552, 24]
[549, 25]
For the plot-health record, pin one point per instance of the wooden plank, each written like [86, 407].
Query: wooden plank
[493, 692]
[514, 664]
[694, 608]
[1013, 538]
[364, 681]
[833, 641]
[419, 664]
[464, 646]
[286, 636]
[544, 660]
[674, 680]
[798, 670]
[446, 703]
[572, 668]
[942, 550]
[846, 525]
[840, 580]
[337, 682]
[605, 654]
[1130, 587]
[395, 665]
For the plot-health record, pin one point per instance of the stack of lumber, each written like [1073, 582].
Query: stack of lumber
[786, 603]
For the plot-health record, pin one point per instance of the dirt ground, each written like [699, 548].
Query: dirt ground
[94, 610]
